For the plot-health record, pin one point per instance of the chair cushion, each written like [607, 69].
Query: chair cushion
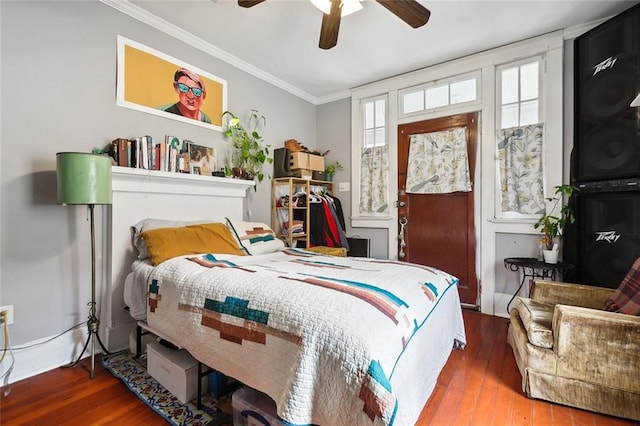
[626, 299]
[536, 318]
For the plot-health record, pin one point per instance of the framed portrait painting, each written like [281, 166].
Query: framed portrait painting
[159, 84]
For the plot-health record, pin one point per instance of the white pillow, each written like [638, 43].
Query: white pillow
[148, 224]
[255, 237]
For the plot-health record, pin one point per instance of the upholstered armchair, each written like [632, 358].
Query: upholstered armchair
[570, 351]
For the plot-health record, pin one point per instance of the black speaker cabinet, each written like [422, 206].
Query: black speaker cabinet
[604, 241]
[281, 163]
[607, 79]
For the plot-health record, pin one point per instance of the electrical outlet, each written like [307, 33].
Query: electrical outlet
[9, 310]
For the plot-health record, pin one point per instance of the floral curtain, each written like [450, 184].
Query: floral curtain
[520, 164]
[374, 180]
[438, 162]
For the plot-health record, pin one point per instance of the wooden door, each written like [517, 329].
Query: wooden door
[439, 229]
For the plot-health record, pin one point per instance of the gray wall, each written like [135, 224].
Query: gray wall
[334, 134]
[59, 83]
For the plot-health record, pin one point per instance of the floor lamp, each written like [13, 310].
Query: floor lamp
[86, 179]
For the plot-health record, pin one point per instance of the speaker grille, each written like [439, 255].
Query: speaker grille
[608, 237]
[607, 79]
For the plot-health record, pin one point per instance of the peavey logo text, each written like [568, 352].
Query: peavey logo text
[607, 63]
[608, 236]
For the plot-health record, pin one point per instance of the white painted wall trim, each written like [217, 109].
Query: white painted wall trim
[551, 47]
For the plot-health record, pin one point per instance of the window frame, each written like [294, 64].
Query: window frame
[500, 215]
[541, 89]
[476, 74]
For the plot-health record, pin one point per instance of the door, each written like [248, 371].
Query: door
[438, 229]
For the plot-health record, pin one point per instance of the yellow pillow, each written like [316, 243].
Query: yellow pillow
[166, 243]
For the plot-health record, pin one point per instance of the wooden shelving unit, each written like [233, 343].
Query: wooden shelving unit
[283, 216]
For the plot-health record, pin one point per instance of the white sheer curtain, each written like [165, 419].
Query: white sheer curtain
[374, 180]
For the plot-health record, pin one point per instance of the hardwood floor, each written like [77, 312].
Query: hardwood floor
[480, 385]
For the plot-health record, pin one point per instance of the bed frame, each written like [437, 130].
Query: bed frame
[140, 194]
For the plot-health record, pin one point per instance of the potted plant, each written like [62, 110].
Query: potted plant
[249, 154]
[552, 226]
[330, 170]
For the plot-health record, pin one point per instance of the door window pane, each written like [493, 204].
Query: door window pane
[463, 91]
[436, 97]
[412, 102]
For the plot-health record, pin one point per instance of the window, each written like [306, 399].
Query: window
[519, 140]
[439, 95]
[519, 94]
[374, 159]
[374, 123]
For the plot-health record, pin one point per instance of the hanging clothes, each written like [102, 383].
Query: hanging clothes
[327, 225]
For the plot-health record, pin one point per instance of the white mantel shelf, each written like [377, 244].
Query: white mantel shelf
[127, 179]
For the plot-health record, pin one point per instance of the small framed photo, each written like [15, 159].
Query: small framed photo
[195, 170]
[202, 157]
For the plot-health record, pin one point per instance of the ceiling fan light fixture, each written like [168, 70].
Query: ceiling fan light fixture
[348, 6]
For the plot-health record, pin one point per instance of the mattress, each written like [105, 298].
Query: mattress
[332, 340]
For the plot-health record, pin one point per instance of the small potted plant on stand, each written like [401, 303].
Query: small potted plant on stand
[552, 226]
[330, 170]
[249, 155]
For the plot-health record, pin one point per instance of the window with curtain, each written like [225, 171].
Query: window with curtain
[520, 139]
[374, 159]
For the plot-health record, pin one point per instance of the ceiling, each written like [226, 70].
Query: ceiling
[277, 40]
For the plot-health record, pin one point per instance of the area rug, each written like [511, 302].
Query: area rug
[133, 373]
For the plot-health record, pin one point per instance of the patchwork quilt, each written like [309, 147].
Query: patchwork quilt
[321, 335]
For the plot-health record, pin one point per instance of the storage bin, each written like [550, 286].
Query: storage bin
[176, 370]
[220, 385]
[253, 408]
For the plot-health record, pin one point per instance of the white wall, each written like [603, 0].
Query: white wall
[58, 80]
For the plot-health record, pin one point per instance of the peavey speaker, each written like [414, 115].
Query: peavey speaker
[607, 79]
[604, 241]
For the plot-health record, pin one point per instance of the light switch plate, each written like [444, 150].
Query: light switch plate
[343, 186]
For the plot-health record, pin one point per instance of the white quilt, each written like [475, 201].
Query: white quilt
[321, 335]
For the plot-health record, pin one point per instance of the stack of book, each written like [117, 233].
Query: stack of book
[171, 155]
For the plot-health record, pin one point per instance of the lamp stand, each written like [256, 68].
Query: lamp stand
[93, 322]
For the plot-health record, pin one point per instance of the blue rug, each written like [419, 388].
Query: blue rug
[133, 373]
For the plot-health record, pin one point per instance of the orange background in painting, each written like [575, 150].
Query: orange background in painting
[149, 82]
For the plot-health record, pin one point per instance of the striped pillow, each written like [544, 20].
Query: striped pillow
[255, 237]
[626, 299]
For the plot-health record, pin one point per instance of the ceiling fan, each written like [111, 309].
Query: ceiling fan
[410, 11]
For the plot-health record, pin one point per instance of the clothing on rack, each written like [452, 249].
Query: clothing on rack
[327, 225]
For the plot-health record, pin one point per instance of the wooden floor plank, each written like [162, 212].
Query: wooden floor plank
[479, 385]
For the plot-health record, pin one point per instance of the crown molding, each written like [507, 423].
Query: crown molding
[174, 31]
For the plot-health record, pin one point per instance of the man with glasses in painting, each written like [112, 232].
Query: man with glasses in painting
[191, 93]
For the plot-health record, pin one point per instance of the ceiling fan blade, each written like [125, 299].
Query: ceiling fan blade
[249, 3]
[410, 11]
[330, 26]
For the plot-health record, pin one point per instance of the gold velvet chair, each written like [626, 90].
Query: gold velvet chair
[570, 351]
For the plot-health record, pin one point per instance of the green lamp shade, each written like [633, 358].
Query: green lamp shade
[83, 178]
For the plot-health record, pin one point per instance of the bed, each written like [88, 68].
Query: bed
[332, 340]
